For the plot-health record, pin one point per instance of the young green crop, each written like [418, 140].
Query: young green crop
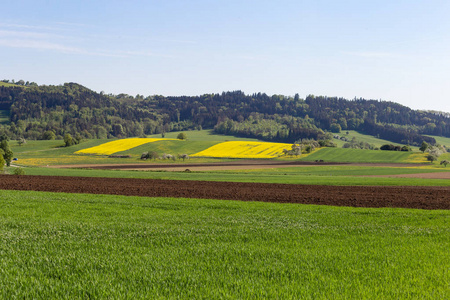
[69, 246]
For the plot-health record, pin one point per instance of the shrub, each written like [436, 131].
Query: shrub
[145, 155]
[182, 136]
[19, 171]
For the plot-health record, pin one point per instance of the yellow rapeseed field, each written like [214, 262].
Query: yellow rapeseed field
[117, 146]
[240, 149]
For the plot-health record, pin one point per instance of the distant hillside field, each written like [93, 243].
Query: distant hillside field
[442, 140]
[203, 135]
[242, 149]
[9, 84]
[361, 137]
[360, 156]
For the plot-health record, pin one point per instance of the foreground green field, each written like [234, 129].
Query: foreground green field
[64, 246]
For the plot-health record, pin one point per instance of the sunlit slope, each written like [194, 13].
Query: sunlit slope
[364, 156]
[241, 149]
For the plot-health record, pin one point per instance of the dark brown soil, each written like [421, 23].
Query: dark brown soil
[356, 196]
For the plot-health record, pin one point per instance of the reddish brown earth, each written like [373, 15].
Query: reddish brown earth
[357, 196]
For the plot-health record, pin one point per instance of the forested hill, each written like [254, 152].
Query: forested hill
[42, 112]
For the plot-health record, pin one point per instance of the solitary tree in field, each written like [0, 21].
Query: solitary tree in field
[445, 162]
[21, 141]
[68, 140]
[182, 136]
[424, 147]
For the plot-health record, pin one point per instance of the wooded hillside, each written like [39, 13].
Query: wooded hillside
[42, 112]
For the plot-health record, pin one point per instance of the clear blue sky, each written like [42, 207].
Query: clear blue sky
[391, 50]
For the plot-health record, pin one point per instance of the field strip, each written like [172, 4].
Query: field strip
[355, 196]
[434, 175]
[117, 146]
[238, 149]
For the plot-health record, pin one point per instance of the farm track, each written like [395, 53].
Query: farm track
[356, 196]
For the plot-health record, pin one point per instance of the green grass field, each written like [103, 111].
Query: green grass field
[442, 140]
[171, 147]
[360, 137]
[203, 136]
[66, 246]
[10, 84]
[358, 155]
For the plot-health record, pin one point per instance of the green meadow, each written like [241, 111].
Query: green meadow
[358, 156]
[76, 246]
[360, 137]
[202, 136]
[7, 84]
[442, 140]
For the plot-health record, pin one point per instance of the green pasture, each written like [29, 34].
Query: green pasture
[361, 137]
[173, 147]
[442, 140]
[10, 84]
[358, 156]
[4, 116]
[203, 136]
[73, 246]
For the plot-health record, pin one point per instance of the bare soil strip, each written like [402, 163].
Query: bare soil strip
[356, 196]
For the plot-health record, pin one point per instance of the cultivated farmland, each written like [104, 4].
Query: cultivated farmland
[89, 240]
[237, 149]
[116, 146]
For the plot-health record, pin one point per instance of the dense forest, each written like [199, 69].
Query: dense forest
[46, 112]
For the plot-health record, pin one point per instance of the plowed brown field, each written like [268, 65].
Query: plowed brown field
[356, 196]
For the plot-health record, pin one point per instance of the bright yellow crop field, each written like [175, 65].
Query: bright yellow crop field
[117, 146]
[238, 149]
